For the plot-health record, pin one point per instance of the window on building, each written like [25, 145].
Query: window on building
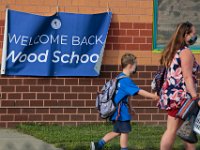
[168, 13]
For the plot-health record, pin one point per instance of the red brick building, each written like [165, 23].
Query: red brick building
[72, 100]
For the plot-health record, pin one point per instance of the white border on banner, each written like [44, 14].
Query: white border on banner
[97, 66]
[4, 51]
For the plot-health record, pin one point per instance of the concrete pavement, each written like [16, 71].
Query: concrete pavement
[10, 139]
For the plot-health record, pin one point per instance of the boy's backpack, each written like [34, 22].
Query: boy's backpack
[158, 80]
[104, 101]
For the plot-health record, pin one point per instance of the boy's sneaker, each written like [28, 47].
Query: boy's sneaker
[94, 146]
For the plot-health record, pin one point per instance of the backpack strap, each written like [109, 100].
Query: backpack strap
[118, 78]
[121, 101]
[118, 111]
[121, 77]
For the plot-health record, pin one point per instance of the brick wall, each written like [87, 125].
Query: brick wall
[68, 100]
[72, 100]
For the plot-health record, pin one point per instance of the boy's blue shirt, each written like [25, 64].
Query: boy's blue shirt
[125, 88]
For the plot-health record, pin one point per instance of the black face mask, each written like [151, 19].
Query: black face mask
[135, 70]
[192, 40]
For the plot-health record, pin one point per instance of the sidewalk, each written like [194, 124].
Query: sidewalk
[11, 139]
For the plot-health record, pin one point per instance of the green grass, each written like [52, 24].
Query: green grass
[145, 137]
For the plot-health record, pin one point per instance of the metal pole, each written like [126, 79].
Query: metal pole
[4, 51]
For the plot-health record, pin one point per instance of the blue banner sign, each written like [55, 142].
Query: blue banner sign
[65, 44]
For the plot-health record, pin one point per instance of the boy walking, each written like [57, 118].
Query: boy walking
[121, 117]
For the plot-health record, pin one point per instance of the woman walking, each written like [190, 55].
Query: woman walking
[181, 80]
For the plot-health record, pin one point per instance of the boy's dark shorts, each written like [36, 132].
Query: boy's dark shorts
[121, 126]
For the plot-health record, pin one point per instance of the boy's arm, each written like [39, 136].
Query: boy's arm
[147, 94]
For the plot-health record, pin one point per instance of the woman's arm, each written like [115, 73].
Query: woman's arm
[187, 60]
[147, 94]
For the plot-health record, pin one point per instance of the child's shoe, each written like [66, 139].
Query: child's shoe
[94, 146]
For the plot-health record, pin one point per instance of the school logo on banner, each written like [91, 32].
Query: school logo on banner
[64, 44]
